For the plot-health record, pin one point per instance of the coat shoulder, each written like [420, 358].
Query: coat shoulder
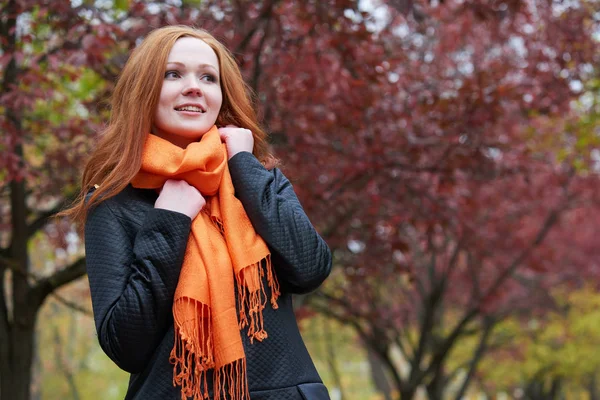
[130, 205]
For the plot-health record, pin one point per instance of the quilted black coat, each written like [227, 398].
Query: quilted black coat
[134, 255]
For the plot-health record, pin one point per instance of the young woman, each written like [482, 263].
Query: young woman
[194, 241]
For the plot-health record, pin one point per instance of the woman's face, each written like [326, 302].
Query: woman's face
[191, 97]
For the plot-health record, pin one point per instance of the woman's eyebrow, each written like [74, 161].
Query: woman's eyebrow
[204, 65]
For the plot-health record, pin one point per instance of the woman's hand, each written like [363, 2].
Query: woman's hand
[180, 196]
[236, 139]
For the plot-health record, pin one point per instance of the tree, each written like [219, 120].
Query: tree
[51, 77]
[548, 356]
[451, 180]
[404, 129]
[59, 61]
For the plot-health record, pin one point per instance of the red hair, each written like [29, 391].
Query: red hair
[118, 155]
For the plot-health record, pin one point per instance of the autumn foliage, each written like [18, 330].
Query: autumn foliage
[440, 147]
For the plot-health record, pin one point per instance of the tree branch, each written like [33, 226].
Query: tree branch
[450, 339]
[454, 258]
[433, 261]
[430, 305]
[331, 356]
[63, 365]
[474, 272]
[367, 339]
[265, 14]
[45, 286]
[44, 216]
[474, 310]
[398, 340]
[4, 322]
[410, 344]
[328, 311]
[257, 54]
[419, 255]
[4, 253]
[481, 349]
[73, 306]
[551, 219]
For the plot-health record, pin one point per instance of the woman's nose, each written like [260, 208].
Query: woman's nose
[192, 87]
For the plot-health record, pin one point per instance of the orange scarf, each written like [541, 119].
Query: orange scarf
[222, 244]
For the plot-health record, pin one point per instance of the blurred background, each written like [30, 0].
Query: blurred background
[447, 150]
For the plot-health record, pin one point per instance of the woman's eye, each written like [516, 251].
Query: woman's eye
[171, 74]
[209, 78]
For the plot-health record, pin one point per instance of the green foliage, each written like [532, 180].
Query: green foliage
[71, 359]
[67, 345]
[581, 135]
[349, 355]
[559, 345]
[122, 5]
[192, 3]
[411, 123]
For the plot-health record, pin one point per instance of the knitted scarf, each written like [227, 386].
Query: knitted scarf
[222, 247]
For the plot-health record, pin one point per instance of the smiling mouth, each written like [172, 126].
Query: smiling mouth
[190, 108]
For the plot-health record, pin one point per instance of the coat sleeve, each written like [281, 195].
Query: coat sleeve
[301, 258]
[132, 280]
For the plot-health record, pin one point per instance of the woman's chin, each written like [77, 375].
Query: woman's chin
[182, 138]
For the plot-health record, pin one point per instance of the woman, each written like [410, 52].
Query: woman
[194, 241]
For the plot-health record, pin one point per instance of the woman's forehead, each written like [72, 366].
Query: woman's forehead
[193, 51]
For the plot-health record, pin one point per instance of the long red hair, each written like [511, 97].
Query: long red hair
[118, 155]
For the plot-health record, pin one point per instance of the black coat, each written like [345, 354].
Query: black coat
[134, 255]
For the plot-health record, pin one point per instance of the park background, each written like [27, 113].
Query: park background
[447, 150]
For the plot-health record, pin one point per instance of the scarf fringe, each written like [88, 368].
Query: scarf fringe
[191, 357]
[192, 360]
[252, 297]
[231, 380]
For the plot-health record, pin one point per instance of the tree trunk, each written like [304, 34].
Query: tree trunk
[36, 371]
[17, 329]
[60, 358]
[408, 394]
[16, 359]
[489, 324]
[543, 389]
[435, 388]
[378, 375]
[593, 388]
[16, 374]
[20, 304]
[5, 346]
[330, 355]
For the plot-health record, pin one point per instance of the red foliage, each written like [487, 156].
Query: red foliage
[418, 136]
